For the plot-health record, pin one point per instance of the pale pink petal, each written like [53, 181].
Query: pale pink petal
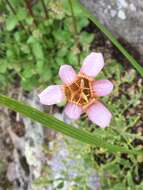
[52, 95]
[67, 74]
[102, 87]
[92, 64]
[99, 114]
[73, 111]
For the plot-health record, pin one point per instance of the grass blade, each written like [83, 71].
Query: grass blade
[59, 126]
[110, 36]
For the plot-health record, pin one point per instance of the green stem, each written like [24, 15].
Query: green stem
[45, 8]
[11, 7]
[73, 17]
[29, 8]
[49, 121]
[14, 12]
[75, 29]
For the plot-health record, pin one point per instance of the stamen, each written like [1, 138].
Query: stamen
[85, 97]
[80, 92]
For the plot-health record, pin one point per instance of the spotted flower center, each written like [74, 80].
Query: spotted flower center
[80, 92]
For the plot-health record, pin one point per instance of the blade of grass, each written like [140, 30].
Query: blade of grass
[75, 29]
[110, 36]
[53, 123]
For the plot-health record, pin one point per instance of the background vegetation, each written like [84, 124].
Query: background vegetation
[36, 37]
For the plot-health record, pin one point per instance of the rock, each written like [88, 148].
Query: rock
[67, 162]
[27, 157]
[124, 18]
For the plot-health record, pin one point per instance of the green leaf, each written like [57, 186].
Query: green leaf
[46, 74]
[3, 65]
[15, 2]
[72, 58]
[53, 123]
[110, 36]
[130, 180]
[28, 71]
[119, 186]
[62, 36]
[11, 22]
[85, 38]
[21, 14]
[37, 51]
[29, 83]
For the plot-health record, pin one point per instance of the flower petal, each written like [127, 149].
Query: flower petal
[73, 111]
[99, 114]
[92, 64]
[52, 95]
[67, 74]
[102, 87]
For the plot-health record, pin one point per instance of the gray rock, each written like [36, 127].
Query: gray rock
[67, 163]
[124, 18]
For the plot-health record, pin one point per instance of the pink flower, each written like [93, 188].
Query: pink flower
[81, 91]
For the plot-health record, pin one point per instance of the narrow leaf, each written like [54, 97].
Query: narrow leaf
[59, 126]
[110, 36]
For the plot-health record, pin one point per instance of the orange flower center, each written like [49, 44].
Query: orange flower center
[80, 91]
